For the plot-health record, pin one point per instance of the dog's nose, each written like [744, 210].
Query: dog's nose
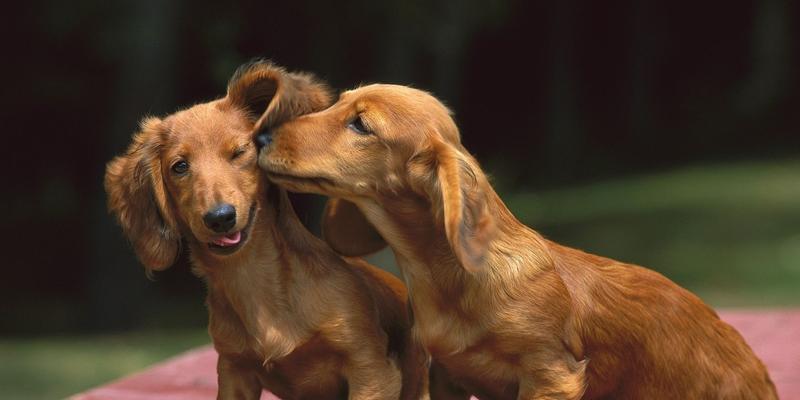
[263, 138]
[221, 218]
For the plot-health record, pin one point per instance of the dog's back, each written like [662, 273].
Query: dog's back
[658, 337]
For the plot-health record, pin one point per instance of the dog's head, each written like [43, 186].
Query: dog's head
[377, 141]
[194, 173]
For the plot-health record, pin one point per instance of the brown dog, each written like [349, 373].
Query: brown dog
[504, 312]
[286, 313]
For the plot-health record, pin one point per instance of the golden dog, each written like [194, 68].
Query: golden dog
[504, 312]
[286, 313]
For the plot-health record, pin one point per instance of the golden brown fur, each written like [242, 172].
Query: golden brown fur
[504, 312]
[286, 313]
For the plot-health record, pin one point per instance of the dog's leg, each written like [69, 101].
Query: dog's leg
[414, 363]
[236, 381]
[442, 387]
[559, 380]
[372, 376]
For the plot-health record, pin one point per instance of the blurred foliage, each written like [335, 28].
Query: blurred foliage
[56, 367]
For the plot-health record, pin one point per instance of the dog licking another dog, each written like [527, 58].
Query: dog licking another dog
[496, 310]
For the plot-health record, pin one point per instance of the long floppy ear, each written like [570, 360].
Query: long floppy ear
[347, 231]
[137, 197]
[273, 96]
[464, 194]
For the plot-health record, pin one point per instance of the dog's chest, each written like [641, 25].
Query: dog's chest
[311, 371]
[252, 329]
[483, 372]
[271, 340]
[470, 351]
[443, 324]
[470, 355]
[442, 333]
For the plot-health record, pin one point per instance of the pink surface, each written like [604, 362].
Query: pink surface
[773, 335]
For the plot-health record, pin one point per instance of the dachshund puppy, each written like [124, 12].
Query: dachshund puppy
[504, 312]
[286, 313]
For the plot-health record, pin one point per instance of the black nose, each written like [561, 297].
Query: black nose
[263, 138]
[221, 218]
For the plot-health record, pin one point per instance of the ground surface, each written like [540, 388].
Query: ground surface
[772, 334]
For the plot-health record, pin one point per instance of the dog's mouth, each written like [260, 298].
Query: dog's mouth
[230, 243]
[300, 182]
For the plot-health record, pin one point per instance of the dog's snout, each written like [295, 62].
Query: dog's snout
[264, 138]
[221, 218]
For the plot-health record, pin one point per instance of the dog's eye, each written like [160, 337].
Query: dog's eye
[238, 152]
[357, 126]
[180, 167]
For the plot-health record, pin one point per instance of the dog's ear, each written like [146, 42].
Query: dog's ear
[137, 197]
[347, 231]
[271, 95]
[461, 188]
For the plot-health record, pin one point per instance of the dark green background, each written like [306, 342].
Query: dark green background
[658, 132]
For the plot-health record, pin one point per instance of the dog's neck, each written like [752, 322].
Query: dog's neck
[451, 304]
[254, 288]
[417, 236]
[418, 242]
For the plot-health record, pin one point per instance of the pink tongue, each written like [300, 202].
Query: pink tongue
[228, 240]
